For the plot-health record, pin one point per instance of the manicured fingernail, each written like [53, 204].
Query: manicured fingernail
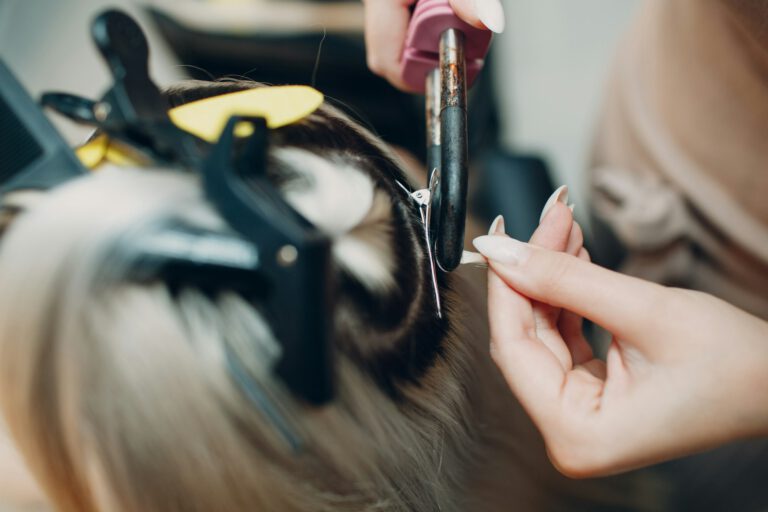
[502, 249]
[497, 226]
[559, 196]
[491, 14]
[473, 258]
[571, 207]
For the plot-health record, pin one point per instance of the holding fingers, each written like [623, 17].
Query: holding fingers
[386, 25]
[679, 377]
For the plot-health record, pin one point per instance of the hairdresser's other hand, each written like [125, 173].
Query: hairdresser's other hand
[386, 24]
[685, 371]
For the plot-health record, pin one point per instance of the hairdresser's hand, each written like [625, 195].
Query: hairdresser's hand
[386, 24]
[685, 371]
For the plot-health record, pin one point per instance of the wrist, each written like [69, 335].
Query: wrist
[752, 399]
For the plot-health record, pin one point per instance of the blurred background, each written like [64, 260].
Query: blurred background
[537, 98]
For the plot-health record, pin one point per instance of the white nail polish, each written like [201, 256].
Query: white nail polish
[497, 226]
[491, 14]
[502, 249]
[473, 258]
[571, 207]
[559, 196]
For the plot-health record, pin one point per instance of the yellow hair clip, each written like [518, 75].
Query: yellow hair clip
[206, 118]
[102, 149]
[280, 106]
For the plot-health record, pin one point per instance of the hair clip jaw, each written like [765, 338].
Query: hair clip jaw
[423, 199]
[182, 256]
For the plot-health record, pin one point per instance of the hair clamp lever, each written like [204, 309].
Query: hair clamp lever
[133, 110]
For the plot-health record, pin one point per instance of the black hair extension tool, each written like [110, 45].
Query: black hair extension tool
[442, 57]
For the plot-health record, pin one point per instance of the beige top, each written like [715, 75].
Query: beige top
[680, 168]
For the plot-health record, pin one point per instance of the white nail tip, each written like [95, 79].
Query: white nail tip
[501, 249]
[473, 258]
[495, 225]
[491, 14]
[559, 196]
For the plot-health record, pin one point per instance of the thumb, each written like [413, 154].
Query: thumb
[481, 13]
[624, 305]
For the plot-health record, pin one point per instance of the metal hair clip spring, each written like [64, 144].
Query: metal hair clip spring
[423, 199]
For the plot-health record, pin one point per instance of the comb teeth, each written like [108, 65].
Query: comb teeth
[18, 148]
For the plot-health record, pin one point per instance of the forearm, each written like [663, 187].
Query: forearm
[754, 381]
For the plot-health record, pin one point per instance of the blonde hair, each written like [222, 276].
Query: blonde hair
[118, 393]
[121, 392]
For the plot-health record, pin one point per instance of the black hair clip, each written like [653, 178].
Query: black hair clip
[273, 253]
[133, 110]
[293, 254]
[32, 153]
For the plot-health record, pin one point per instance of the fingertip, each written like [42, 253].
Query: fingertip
[560, 195]
[386, 24]
[395, 78]
[498, 226]
[482, 14]
[502, 249]
[555, 228]
[575, 240]
[374, 63]
[465, 9]
[388, 70]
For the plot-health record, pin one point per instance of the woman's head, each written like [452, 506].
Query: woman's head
[121, 394]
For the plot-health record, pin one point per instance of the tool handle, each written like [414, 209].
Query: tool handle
[454, 151]
[121, 42]
[431, 18]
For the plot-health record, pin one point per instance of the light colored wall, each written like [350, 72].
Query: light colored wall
[47, 45]
[552, 61]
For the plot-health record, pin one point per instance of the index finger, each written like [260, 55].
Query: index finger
[632, 309]
[531, 369]
[386, 25]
